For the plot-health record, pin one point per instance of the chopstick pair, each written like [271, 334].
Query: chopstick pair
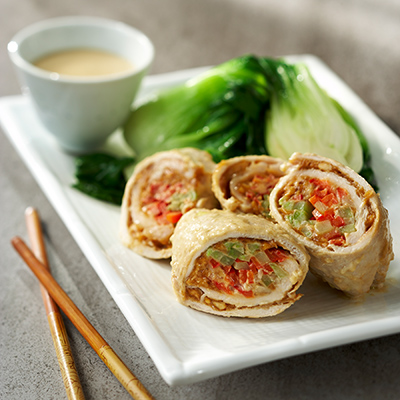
[57, 328]
[53, 293]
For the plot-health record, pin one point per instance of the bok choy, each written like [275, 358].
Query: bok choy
[302, 118]
[101, 176]
[221, 111]
[249, 105]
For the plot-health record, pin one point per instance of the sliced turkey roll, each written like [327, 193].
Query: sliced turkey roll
[243, 184]
[340, 219]
[162, 188]
[235, 265]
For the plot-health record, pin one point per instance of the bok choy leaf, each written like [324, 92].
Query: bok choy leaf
[221, 111]
[101, 176]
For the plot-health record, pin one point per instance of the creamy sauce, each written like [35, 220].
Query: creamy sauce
[84, 62]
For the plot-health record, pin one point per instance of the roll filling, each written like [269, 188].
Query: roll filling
[243, 268]
[244, 184]
[323, 212]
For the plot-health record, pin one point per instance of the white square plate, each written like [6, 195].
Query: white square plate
[186, 345]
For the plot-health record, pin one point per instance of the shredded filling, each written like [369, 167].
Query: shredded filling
[243, 267]
[320, 211]
[251, 184]
[255, 193]
[167, 200]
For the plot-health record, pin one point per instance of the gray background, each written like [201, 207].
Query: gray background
[358, 39]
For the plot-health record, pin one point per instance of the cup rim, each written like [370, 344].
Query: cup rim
[14, 44]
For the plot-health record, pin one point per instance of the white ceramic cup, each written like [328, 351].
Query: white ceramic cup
[81, 112]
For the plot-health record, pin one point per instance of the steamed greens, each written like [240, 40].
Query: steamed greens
[221, 111]
[249, 105]
[302, 118]
[101, 176]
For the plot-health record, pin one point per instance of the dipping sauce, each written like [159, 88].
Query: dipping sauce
[84, 63]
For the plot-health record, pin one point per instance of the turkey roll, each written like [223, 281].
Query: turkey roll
[340, 219]
[235, 265]
[243, 184]
[162, 188]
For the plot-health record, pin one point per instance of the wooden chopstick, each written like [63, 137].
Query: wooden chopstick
[57, 328]
[99, 345]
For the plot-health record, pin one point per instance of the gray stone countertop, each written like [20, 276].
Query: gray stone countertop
[358, 39]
